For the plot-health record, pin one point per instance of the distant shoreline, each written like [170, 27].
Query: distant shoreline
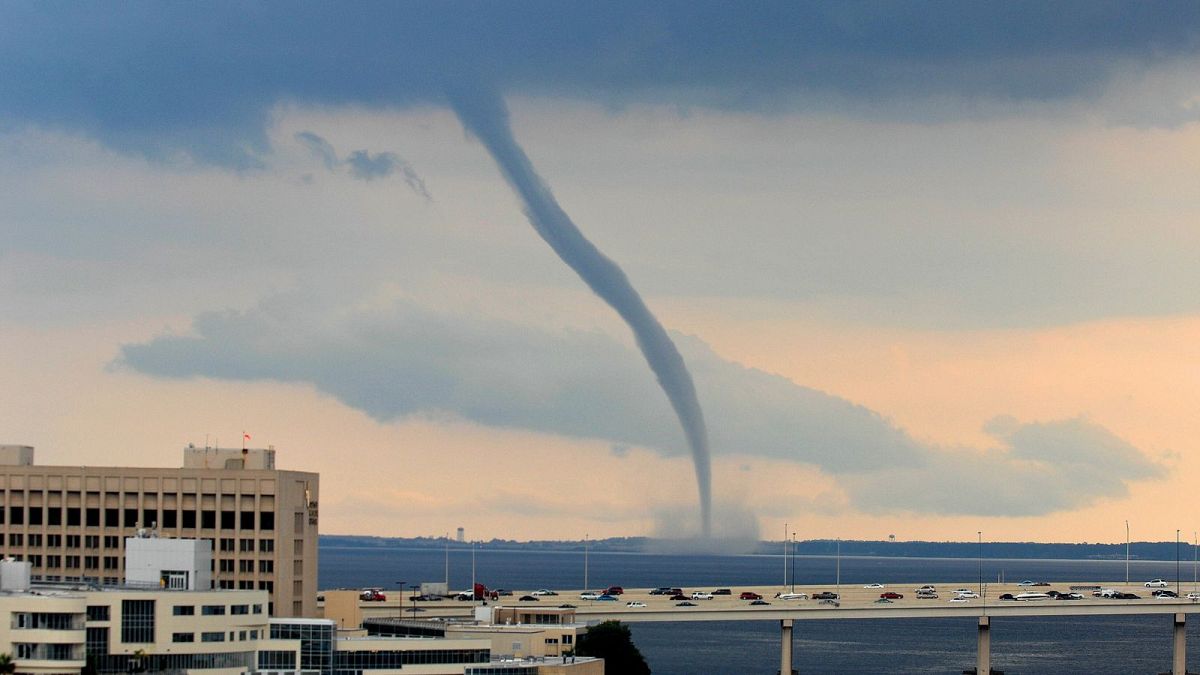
[1138, 550]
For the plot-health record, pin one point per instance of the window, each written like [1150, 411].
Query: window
[93, 517]
[35, 541]
[183, 610]
[54, 516]
[137, 621]
[189, 519]
[213, 610]
[54, 561]
[54, 540]
[254, 633]
[73, 541]
[266, 520]
[246, 585]
[258, 609]
[183, 637]
[268, 566]
[112, 562]
[16, 515]
[246, 566]
[35, 515]
[112, 517]
[97, 639]
[170, 520]
[268, 586]
[208, 520]
[246, 519]
[16, 540]
[228, 520]
[266, 545]
[72, 562]
[227, 545]
[241, 636]
[298, 523]
[225, 584]
[149, 517]
[35, 560]
[215, 636]
[131, 517]
[91, 541]
[74, 518]
[246, 545]
[111, 541]
[298, 547]
[239, 609]
[91, 562]
[226, 565]
[97, 613]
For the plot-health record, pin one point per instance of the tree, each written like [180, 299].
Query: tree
[7, 665]
[613, 642]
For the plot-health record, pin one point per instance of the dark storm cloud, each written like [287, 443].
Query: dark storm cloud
[156, 78]
[362, 164]
[409, 361]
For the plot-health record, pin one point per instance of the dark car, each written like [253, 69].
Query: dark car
[1164, 593]
[825, 595]
[1127, 596]
[1007, 596]
[760, 602]
[679, 596]
[891, 595]
[722, 591]
[663, 590]
[615, 590]
[749, 595]
[685, 603]
[502, 591]
[528, 598]
[566, 606]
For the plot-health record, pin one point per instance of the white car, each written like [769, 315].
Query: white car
[792, 596]
[874, 586]
[543, 591]
[966, 594]
[926, 589]
[1157, 583]
[959, 599]
[635, 603]
[589, 596]
[1193, 596]
[701, 595]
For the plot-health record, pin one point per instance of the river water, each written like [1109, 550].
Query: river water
[1102, 645]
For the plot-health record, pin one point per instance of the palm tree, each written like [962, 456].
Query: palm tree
[7, 665]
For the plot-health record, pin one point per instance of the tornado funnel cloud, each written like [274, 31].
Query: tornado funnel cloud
[485, 116]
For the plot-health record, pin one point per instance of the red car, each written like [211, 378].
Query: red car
[891, 595]
[372, 595]
[614, 590]
[749, 595]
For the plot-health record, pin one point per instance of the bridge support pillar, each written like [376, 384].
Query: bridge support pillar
[1179, 657]
[983, 655]
[785, 647]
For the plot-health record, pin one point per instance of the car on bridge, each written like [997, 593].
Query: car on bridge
[760, 601]
[749, 595]
[891, 595]
[543, 591]
[635, 603]
[873, 586]
[792, 596]
[1157, 583]
[701, 595]
[825, 595]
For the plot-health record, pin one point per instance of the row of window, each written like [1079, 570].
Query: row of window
[216, 636]
[47, 652]
[46, 621]
[92, 541]
[216, 610]
[247, 566]
[74, 516]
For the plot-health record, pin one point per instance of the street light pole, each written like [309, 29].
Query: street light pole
[1176, 563]
[1126, 552]
[785, 554]
[980, 533]
[585, 563]
[793, 562]
[415, 588]
[400, 609]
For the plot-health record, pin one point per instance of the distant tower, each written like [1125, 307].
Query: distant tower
[461, 534]
[891, 537]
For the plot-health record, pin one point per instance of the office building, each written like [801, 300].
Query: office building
[71, 522]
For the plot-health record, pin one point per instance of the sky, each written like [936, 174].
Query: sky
[930, 266]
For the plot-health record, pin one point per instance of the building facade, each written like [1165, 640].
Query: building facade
[71, 522]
